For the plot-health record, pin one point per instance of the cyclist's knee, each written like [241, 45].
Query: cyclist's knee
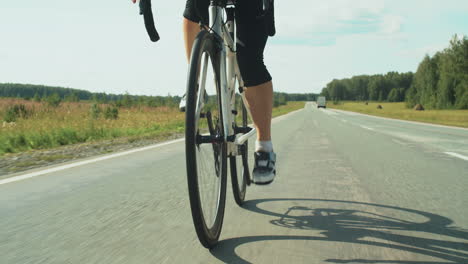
[197, 10]
[253, 69]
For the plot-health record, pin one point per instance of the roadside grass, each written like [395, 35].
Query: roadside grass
[399, 111]
[70, 123]
[47, 127]
[289, 107]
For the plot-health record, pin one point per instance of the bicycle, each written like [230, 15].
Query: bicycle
[217, 124]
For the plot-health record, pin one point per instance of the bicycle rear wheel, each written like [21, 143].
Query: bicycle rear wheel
[239, 164]
[206, 151]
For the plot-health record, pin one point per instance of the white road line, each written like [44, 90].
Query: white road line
[453, 154]
[402, 121]
[399, 142]
[329, 112]
[368, 128]
[80, 163]
[346, 112]
[281, 117]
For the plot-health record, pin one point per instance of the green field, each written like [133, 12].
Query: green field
[399, 111]
[41, 126]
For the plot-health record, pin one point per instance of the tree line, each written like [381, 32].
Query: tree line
[55, 95]
[440, 82]
[389, 87]
[280, 98]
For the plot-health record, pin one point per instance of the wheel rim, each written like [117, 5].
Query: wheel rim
[240, 174]
[208, 155]
[240, 169]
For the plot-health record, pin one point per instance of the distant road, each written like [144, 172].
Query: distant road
[350, 189]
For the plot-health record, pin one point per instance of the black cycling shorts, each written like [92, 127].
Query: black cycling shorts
[251, 34]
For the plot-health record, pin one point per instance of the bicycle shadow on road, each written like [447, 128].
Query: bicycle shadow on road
[357, 226]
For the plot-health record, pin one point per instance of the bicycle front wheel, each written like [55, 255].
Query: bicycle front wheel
[206, 150]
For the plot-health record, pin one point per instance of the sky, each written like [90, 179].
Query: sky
[102, 46]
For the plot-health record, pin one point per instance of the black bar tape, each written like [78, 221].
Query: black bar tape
[146, 11]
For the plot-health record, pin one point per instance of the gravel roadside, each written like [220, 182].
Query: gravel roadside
[11, 164]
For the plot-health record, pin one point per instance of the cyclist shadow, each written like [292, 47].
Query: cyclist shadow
[358, 227]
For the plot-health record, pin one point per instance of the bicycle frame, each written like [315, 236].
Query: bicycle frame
[229, 72]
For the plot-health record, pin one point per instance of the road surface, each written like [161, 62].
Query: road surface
[350, 189]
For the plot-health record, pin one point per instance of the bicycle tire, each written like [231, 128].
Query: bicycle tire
[239, 164]
[207, 221]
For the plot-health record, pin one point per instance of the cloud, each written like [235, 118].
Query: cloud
[391, 24]
[322, 23]
[420, 52]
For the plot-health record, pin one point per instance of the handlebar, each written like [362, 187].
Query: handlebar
[146, 11]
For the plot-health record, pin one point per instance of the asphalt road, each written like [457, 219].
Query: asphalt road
[350, 189]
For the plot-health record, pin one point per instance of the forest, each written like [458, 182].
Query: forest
[440, 82]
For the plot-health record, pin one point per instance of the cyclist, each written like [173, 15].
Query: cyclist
[252, 35]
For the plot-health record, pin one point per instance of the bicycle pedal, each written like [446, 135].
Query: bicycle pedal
[243, 130]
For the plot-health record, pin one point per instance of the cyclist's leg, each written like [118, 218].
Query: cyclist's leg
[190, 30]
[195, 11]
[260, 100]
[253, 36]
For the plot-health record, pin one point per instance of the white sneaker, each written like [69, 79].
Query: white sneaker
[264, 171]
[182, 103]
